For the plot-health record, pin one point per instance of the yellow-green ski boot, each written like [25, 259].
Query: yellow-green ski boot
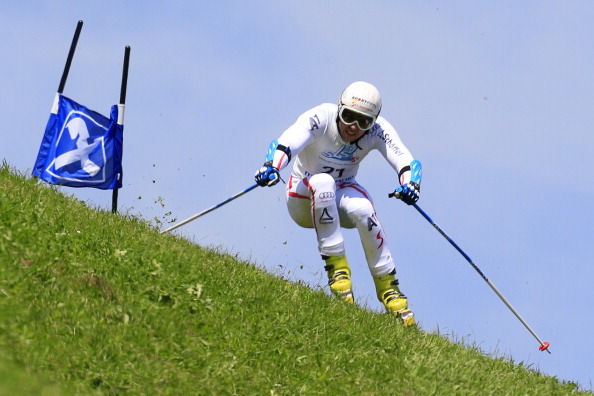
[393, 299]
[339, 277]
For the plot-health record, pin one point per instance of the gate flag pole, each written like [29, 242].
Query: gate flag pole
[121, 106]
[79, 26]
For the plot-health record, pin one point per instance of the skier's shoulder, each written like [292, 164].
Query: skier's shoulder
[319, 117]
[322, 111]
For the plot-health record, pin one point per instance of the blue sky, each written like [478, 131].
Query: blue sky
[494, 98]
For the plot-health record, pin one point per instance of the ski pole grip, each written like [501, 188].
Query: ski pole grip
[394, 194]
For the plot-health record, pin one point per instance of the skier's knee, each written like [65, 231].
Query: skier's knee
[362, 212]
[322, 182]
[323, 189]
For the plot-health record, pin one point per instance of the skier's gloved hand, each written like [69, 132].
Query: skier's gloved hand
[408, 193]
[267, 175]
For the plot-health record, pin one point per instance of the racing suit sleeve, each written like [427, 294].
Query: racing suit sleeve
[295, 138]
[394, 151]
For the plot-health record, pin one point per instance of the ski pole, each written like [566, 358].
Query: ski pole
[197, 215]
[544, 346]
[269, 156]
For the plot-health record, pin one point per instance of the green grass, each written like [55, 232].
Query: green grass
[94, 303]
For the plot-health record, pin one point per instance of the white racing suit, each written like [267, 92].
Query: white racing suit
[322, 191]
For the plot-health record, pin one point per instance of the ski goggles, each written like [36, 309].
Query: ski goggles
[349, 117]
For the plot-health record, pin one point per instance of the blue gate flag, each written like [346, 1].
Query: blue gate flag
[80, 147]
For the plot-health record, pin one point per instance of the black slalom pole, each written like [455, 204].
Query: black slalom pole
[114, 196]
[70, 56]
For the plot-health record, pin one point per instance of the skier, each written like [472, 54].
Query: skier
[328, 142]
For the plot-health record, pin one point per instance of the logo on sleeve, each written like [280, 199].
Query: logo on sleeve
[314, 122]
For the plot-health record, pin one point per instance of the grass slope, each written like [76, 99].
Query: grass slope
[94, 303]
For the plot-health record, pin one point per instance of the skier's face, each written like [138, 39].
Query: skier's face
[349, 133]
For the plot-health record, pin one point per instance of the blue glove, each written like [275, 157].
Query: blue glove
[408, 193]
[267, 175]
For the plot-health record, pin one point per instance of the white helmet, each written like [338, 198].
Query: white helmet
[363, 98]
